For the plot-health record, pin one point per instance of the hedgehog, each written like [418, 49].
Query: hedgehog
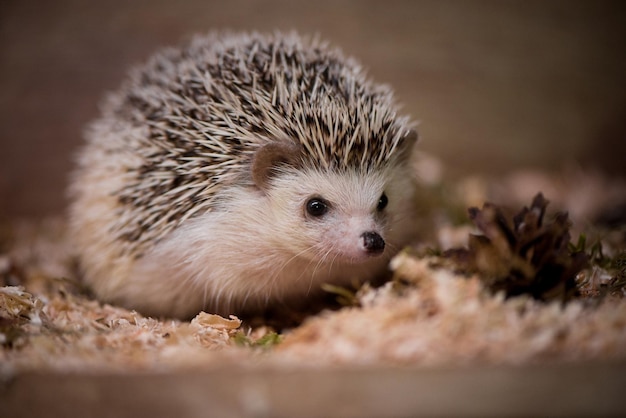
[238, 171]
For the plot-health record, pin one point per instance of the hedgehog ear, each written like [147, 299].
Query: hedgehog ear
[269, 158]
[406, 146]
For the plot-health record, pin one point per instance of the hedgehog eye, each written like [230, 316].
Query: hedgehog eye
[316, 207]
[382, 202]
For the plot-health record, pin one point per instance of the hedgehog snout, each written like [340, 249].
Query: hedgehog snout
[372, 242]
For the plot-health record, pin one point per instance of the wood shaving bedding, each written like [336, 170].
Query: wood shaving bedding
[429, 315]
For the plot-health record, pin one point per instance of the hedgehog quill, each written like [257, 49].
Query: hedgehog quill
[238, 171]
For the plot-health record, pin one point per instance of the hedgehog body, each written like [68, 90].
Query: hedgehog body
[237, 171]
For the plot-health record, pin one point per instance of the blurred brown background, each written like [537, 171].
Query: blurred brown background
[497, 85]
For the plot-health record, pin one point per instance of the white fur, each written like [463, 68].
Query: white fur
[256, 248]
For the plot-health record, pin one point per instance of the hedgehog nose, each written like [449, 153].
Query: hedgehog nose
[373, 242]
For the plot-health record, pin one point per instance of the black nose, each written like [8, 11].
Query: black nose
[373, 242]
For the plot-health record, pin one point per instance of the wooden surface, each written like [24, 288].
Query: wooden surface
[564, 390]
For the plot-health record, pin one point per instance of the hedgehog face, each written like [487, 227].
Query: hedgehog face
[334, 217]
